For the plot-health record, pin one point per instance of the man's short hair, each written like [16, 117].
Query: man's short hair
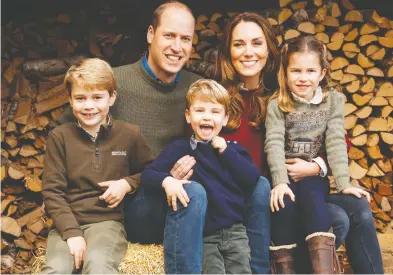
[91, 74]
[169, 4]
[210, 91]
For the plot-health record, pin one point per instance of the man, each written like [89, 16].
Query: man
[151, 94]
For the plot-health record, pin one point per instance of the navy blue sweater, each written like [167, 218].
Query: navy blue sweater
[224, 178]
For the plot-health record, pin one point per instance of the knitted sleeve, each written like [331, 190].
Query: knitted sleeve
[275, 143]
[335, 142]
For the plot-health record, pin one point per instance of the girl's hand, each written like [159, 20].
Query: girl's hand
[219, 143]
[277, 196]
[357, 192]
[174, 190]
[299, 169]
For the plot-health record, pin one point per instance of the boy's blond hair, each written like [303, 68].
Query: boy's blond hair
[91, 74]
[210, 91]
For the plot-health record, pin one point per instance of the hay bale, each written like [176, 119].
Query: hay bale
[139, 259]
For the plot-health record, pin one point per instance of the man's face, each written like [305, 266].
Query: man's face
[170, 43]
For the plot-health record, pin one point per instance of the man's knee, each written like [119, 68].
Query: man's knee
[261, 193]
[197, 195]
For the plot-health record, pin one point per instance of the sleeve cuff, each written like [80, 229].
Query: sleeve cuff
[71, 233]
[322, 165]
[134, 182]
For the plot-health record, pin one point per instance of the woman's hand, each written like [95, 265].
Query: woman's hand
[299, 169]
[182, 170]
[277, 196]
[357, 192]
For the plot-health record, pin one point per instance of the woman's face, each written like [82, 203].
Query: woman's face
[249, 50]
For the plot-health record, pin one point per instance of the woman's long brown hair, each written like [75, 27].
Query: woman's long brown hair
[226, 74]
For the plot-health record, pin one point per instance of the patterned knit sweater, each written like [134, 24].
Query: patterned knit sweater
[305, 133]
[157, 108]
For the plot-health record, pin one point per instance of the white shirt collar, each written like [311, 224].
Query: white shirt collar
[318, 97]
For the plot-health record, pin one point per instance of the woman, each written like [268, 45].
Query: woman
[247, 67]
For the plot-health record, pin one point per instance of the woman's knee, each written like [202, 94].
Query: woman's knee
[363, 214]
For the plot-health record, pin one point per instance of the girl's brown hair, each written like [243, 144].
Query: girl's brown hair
[301, 44]
[227, 75]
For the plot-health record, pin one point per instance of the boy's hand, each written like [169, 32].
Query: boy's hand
[115, 192]
[174, 190]
[277, 196]
[299, 169]
[77, 246]
[182, 170]
[357, 192]
[219, 143]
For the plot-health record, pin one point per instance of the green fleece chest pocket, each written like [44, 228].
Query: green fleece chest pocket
[117, 161]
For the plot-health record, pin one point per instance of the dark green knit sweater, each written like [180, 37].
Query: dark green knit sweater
[158, 109]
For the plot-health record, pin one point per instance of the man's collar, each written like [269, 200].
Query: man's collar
[194, 142]
[147, 68]
[318, 97]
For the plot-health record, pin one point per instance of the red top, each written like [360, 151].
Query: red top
[250, 138]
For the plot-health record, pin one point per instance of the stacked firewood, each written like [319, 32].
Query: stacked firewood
[36, 55]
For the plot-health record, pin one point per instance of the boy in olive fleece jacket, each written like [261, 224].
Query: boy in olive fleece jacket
[90, 165]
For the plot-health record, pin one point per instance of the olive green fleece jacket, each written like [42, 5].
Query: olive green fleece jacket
[305, 133]
[74, 165]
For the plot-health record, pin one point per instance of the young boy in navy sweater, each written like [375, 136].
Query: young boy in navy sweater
[225, 169]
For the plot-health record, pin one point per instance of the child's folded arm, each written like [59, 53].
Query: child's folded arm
[240, 164]
[54, 190]
[156, 172]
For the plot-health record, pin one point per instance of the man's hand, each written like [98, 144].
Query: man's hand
[357, 192]
[182, 170]
[174, 190]
[115, 192]
[77, 246]
[277, 196]
[219, 143]
[299, 169]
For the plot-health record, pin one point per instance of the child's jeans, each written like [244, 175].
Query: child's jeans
[307, 215]
[226, 251]
[106, 246]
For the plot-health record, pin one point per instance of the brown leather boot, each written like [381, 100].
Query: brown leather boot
[282, 259]
[323, 255]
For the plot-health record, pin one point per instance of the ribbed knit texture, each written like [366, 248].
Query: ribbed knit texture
[158, 109]
[305, 133]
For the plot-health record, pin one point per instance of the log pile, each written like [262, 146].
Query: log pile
[36, 55]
